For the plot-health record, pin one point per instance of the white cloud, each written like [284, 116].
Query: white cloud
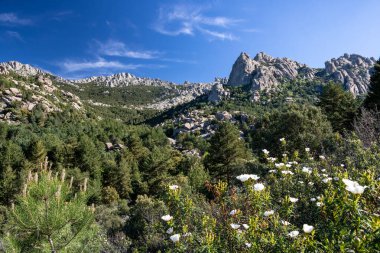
[117, 48]
[13, 19]
[73, 66]
[189, 19]
[14, 35]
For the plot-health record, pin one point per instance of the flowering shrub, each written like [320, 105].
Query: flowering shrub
[295, 205]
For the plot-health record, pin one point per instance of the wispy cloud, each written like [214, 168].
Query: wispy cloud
[189, 19]
[117, 48]
[74, 66]
[13, 19]
[14, 35]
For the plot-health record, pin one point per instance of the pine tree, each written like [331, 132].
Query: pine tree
[338, 105]
[373, 98]
[226, 151]
[37, 152]
[49, 217]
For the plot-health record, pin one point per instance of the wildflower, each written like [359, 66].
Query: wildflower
[265, 151]
[284, 155]
[322, 157]
[313, 199]
[167, 217]
[282, 139]
[248, 245]
[285, 172]
[288, 165]
[234, 226]
[271, 159]
[279, 164]
[326, 180]
[245, 177]
[300, 182]
[285, 223]
[307, 228]
[311, 183]
[293, 234]
[169, 231]
[342, 165]
[306, 170]
[319, 204]
[173, 187]
[268, 213]
[353, 186]
[233, 212]
[175, 238]
[293, 200]
[245, 226]
[258, 187]
[307, 149]
[272, 171]
[187, 234]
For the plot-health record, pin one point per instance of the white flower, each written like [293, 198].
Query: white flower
[282, 139]
[233, 212]
[167, 217]
[272, 171]
[175, 238]
[311, 183]
[169, 231]
[265, 151]
[285, 223]
[288, 165]
[293, 234]
[234, 226]
[307, 228]
[323, 170]
[353, 186]
[286, 172]
[187, 234]
[326, 180]
[322, 157]
[268, 213]
[245, 177]
[279, 164]
[293, 200]
[307, 149]
[258, 187]
[342, 165]
[284, 155]
[300, 182]
[248, 245]
[271, 159]
[313, 199]
[306, 170]
[173, 187]
[245, 226]
[319, 204]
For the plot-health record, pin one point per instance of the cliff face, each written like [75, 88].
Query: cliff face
[264, 72]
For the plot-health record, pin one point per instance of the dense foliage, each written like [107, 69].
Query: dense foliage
[271, 179]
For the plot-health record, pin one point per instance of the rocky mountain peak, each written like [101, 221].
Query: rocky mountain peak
[20, 69]
[265, 72]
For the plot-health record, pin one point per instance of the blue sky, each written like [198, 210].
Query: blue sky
[181, 40]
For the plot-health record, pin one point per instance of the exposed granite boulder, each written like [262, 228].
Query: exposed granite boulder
[264, 72]
[20, 69]
[218, 93]
[353, 71]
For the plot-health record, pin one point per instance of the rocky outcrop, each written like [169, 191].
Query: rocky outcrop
[20, 69]
[123, 80]
[353, 71]
[218, 93]
[264, 72]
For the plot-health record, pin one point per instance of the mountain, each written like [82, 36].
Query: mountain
[265, 72]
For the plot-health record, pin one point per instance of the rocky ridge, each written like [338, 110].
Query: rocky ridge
[265, 72]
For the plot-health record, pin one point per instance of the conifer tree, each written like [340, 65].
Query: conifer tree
[338, 105]
[49, 217]
[226, 151]
[372, 100]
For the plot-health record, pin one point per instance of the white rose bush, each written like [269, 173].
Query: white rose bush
[272, 211]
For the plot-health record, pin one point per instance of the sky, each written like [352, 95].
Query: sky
[181, 41]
